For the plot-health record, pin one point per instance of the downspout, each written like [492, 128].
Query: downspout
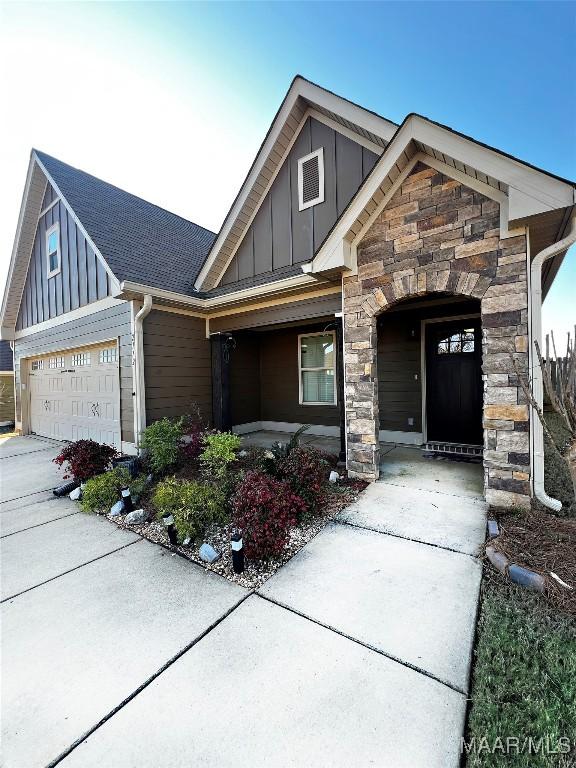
[139, 378]
[536, 371]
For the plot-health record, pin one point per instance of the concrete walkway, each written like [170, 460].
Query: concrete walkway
[117, 653]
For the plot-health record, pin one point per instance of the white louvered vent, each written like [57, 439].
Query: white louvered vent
[311, 179]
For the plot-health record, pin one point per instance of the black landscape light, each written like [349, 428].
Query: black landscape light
[237, 553]
[168, 521]
[127, 499]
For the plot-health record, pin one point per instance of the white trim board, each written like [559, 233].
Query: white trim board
[69, 317]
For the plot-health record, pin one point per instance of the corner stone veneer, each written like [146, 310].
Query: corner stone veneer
[438, 236]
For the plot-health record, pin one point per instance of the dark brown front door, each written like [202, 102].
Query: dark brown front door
[454, 382]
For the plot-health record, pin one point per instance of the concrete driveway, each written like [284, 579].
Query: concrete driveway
[117, 653]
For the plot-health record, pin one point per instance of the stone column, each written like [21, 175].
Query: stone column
[361, 391]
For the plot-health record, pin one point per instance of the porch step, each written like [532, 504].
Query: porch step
[462, 450]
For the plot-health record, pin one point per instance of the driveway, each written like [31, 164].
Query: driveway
[117, 653]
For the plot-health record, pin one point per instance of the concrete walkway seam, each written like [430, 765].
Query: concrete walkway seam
[365, 645]
[38, 525]
[70, 570]
[404, 538]
[37, 450]
[473, 499]
[147, 682]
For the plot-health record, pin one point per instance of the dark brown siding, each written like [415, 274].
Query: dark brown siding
[281, 235]
[399, 363]
[107, 324]
[82, 278]
[264, 379]
[279, 382]
[305, 309]
[177, 365]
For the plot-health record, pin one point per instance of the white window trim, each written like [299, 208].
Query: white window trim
[322, 368]
[319, 153]
[53, 228]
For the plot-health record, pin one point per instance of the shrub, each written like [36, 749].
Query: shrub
[264, 510]
[195, 506]
[161, 440]
[283, 450]
[307, 470]
[192, 442]
[84, 459]
[193, 430]
[219, 452]
[102, 491]
[256, 458]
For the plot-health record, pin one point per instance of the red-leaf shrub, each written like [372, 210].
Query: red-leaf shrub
[307, 470]
[264, 509]
[191, 444]
[85, 459]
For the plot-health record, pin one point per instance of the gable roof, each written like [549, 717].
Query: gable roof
[138, 240]
[303, 95]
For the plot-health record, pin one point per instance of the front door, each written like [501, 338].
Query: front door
[454, 382]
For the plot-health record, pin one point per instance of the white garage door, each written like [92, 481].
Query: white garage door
[75, 395]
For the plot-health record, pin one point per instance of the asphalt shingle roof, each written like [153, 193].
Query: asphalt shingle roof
[140, 241]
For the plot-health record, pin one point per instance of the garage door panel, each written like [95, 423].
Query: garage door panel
[81, 399]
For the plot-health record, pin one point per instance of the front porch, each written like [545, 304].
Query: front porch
[401, 465]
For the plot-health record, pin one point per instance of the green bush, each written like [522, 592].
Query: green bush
[161, 440]
[194, 506]
[219, 452]
[102, 491]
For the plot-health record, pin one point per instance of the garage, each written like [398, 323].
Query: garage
[75, 394]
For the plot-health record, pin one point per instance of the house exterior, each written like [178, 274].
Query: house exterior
[381, 283]
[6, 385]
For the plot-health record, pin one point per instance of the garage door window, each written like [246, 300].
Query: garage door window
[56, 362]
[82, 358]
[108, 355]
[38, 365]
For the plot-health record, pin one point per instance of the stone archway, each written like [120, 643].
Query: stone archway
[360, 340]
[436, 236]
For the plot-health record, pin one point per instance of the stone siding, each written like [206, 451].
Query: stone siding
[438, 236]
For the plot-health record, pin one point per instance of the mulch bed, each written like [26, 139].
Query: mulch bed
[255, 573]
[543, 543]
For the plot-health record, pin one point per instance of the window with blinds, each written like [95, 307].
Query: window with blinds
[317, 369]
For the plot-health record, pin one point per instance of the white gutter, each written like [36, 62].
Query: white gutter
[139, 379]
[535, 369]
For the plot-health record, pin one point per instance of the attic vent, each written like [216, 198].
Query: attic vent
[311, 179]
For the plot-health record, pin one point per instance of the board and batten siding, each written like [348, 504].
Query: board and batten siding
[82, 278]
[177, 366]
[281, 235]
[104, 325]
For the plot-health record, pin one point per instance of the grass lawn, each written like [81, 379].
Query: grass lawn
[524, 679]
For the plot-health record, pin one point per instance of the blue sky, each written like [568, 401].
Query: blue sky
[172, 100]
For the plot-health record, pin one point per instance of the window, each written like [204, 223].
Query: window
[462, 341]
[37, 365]
[81, 358]
[56, 362]
[53, 250]
[311, 179]
[316, 365]
[109, 355]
